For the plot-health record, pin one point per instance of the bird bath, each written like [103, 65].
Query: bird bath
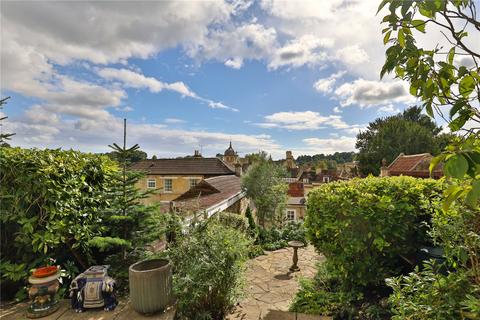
[295, 245]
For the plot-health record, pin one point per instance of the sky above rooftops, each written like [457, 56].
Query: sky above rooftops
[267, 75]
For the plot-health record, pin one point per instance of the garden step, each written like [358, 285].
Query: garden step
[285, 315]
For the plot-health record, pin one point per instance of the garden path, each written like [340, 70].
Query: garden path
[271, 286]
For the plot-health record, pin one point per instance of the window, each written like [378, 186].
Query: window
[193, 182]
[326, 179]
[151, 183]
[290, 215]
[167, 185]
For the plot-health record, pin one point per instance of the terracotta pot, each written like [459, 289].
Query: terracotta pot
[150, 284]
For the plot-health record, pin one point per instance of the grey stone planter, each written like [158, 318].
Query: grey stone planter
[150, 284]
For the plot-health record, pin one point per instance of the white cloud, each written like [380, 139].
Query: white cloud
[388, 109]
[329, 145]
[337, 110]
[367, 93]
[352, 55]
[174, 120]
[303, 120]
[95, 134]
[326, 85]
[306, 50]
[137, 80]
[234, 63]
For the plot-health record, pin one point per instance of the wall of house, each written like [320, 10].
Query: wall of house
[300, 211]
[180, 185]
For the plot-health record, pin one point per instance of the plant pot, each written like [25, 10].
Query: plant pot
[150, 283]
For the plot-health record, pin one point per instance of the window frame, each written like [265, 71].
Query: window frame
[195, 180]
[288, 211]
[154, 183]
[327, 178]
[170, 189]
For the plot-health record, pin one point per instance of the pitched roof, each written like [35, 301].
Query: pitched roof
[413, 165]
[209, 192]
[202, 166]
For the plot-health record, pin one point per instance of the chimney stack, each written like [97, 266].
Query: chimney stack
[197, 154]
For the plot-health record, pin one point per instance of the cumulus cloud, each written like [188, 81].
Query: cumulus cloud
[234, 63]
[96, 134]
[306, 50]
[326, 85]
[329, 145]
[133, 79]
[304, 120]
[367, 93]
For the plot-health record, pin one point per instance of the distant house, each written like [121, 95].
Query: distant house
[174, 177]
[295, 208]
[212, 195]
[414, 165]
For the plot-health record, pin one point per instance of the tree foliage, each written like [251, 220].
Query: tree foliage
[51, 205]
[445, 76]
[4, 136]
[264, 184]
[126, 212]
[409, 132]
[337, 157]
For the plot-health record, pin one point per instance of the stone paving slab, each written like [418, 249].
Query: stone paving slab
[271, 286]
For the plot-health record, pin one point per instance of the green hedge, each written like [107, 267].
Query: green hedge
[51, 205]
[365, 226]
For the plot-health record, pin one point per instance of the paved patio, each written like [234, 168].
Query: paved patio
[122, 312]
[270, 290]
[271, 286]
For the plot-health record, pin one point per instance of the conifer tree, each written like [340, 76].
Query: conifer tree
[127, 214]
[4, 136]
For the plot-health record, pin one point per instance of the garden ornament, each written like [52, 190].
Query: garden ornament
[93, 289]
[44, 286]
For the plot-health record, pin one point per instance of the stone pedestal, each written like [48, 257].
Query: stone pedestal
[295, 245]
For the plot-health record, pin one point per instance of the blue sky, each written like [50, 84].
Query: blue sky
[267, 75]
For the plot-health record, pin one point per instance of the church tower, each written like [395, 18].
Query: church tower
[230, 156]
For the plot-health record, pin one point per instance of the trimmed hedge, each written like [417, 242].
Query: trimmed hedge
[365, 226]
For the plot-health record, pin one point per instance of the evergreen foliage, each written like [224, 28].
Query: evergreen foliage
[410, 132]
[4, 136]
[126, 213]
[264, 184]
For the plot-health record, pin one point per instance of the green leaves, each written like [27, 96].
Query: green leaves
[466, 86]
[456, 166]
[419, 25]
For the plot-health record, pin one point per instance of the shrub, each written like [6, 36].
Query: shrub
[294, 230]
[426, 294]
[208, 270]
[51, 205]
[233, 220]
[365, 226]
[251, 221]
[255, 251]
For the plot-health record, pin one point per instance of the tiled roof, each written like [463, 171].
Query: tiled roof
[183, 166]
[416, 165]
[295, 189]
[209, 192]
[408, 162]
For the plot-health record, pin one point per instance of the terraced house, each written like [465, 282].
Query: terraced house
[174, 177]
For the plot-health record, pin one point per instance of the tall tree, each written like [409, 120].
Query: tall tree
[4, 136]
[126, 213]
[264, 184]
[445, 75]
[409, 132]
